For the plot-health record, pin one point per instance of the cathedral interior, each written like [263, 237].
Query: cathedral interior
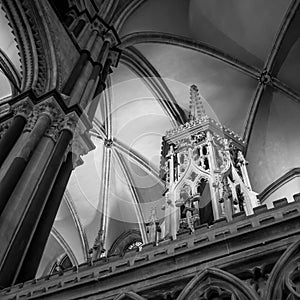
[149, 149]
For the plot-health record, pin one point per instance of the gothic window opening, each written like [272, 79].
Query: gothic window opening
[62, 263]
[204, 202]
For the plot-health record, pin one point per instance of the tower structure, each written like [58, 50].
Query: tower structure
[204, 171]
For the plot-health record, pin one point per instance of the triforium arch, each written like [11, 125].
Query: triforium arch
[216, 284]
[284, 280]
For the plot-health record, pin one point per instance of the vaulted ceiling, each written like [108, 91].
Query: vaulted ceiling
[229, 50]
[244, 56]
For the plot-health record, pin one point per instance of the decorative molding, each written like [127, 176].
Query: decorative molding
[266, 77]
[278, 183]
[109, 9]
[217, 282]
[249, 122]
[282, 87]
[288, 18]
[25, 41]
[267, 233]
[187, 43]
[124, 12]
[39, 65]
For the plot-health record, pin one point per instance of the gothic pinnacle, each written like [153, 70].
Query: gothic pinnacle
[197, 110]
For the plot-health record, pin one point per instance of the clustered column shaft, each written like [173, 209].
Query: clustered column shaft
[25, 191]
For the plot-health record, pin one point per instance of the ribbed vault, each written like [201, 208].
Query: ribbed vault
[139, 90]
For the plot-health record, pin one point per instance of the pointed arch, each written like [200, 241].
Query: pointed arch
[143, 37]
[281, 277]
[35, 42]
[124, 12]
[129, 295]
[123, 241]
[217, 279]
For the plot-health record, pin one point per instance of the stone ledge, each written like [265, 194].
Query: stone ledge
[241, 225]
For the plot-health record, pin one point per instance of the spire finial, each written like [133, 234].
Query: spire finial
[197, 110]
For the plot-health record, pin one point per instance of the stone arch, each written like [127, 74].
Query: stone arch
[36, 47]
[129, 296]
[62, 263]
[217, 282]
[285, 276]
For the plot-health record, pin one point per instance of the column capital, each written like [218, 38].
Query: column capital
[73, 123]
[112, 37]
[98, 26]
[23, 108]
[50, 108]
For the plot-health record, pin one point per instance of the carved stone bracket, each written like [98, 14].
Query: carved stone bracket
[23, 108]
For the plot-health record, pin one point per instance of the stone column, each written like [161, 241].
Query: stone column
[39, 239]
[18, 165]
[11, 135]
[40, 160]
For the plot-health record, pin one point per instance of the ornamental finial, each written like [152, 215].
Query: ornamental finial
[197, 110]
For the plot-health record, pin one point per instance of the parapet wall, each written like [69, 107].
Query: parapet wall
[264, 226]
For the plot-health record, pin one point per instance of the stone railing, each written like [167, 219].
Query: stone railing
[203, 236]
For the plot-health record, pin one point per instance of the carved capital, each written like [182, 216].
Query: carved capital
[71, 123]
[23, 108]
[55, 127]
[111, 37]
[50, 108]
[31, 120]
[98, 26]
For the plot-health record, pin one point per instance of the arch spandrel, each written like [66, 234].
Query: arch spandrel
[219, 283]
[129, 296]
